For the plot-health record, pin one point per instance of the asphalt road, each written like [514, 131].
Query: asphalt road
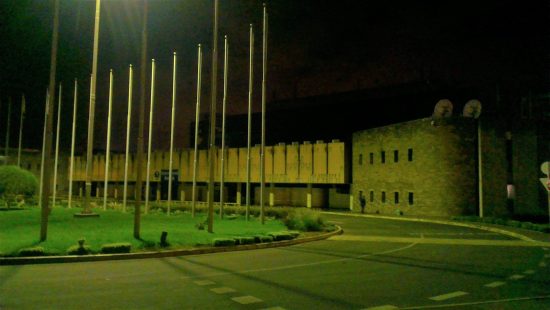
[375, 263]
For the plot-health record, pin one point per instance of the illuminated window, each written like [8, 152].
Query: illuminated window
[410, 155]
[395, 156]
[383, 156]
[371, 196]
[371, 155]
[396, 197]
[383, 197]
[360, 159]
[411, 198]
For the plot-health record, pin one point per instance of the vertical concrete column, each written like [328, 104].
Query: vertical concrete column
[182, 195]
[97, 190]
[80, 191]
[116, 192]
[309, 191]
[158, 192]
[239, 188]
[271, 195]
[351, 202]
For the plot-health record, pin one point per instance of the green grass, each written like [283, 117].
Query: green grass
[20, 229]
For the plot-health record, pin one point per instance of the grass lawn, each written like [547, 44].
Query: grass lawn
[20, 229]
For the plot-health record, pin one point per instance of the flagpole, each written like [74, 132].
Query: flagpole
[222, 169]
[150, 136]
[21, 118]
[40, 191]
[262, 157]
[172, 135]
[250, 88]
[6, 153]
[57, 145]
[128, 123]
[108, 151]
[71, 164]
[197, 111]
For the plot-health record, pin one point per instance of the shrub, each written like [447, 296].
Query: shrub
[281, 235]
[34, 251]
[112, 248]
[245, 240]
[79, 250]
[304, 220]
[15, 181]
[223, 242]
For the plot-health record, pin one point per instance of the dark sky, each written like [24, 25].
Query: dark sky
[315, 48]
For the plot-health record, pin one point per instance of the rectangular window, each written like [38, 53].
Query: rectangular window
[410, 155]
[383, 197]
[371, 196]
[395, 156]
[360, 159]
[371, 158]
[411, 198]
[396, 197]
[383, 156]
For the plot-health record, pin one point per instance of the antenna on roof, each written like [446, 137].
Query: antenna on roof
[472, 109]
[443, 108]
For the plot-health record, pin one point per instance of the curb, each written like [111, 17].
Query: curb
[451, 223]
[161, 254]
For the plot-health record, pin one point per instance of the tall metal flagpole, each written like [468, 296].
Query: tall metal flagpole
[151, 108]
[222, 168]
[262, 157]
[21, 118]
[250, 86]
[197, 111]
[172, 135]
[71, 163]
[128, 123]
[212, 148]
[57, 145]
[6, 153]
[91, 116]
[141, 122]
[40, 191]
[108, 151]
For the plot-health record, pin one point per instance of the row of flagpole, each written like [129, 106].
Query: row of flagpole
[173, 110]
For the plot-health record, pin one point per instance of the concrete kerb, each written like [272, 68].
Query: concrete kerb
[160, 254]
[443, 222]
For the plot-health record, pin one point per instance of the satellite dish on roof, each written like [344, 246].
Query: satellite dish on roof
[443, 108]
[472, 109]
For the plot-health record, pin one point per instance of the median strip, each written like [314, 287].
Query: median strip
[474, 242]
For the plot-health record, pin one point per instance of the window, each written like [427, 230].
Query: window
[395, 156]
[371, 155]
[411, 198]
[371, 196]
[410, 155]
[360, 159]
[396, 197]
[383, 197]
[383, 156]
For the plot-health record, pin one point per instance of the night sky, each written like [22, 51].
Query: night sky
[317, 49]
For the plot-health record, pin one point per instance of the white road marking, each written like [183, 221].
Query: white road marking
[542, 264]
[529, 271]
[204, 282]
[274, 308]
[516, 277]
[222, 290]
[245, 300]
[494, 301]
[495, 284]
[448, 296]
[546, 255]
[384, 307]
[330, 261]
[334, 222]
[546, 249]
[474, 242]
